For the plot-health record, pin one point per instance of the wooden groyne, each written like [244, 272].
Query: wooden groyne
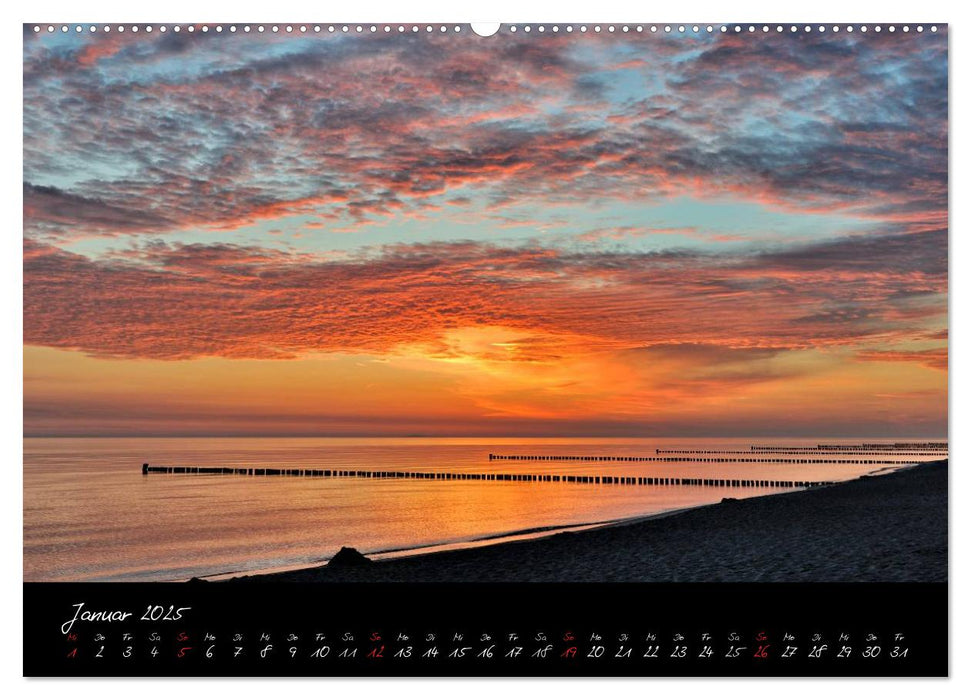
[489, 476]
[841, 453]
[696, 459]
[928, 446]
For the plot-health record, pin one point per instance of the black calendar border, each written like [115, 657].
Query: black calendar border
[919, 611]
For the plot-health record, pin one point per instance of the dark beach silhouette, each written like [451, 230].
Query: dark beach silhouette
[886, 527]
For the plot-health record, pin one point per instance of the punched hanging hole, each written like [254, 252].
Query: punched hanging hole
[485, 28]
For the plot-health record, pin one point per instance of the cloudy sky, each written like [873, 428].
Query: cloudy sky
[443, 234]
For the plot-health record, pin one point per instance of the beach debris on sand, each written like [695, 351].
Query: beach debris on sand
[348, 556]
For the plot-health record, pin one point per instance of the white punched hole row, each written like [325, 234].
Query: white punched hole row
[448, 28]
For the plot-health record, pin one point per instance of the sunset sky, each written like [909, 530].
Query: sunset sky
[441, 234]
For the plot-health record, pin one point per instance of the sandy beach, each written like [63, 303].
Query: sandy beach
[884, 528]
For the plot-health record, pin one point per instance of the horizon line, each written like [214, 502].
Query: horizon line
[464, 436]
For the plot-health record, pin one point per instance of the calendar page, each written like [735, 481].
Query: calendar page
[453, 350]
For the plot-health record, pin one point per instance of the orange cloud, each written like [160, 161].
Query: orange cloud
[225, 300]
[935, 358]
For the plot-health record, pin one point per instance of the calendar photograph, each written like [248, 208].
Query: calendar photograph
[338, 318]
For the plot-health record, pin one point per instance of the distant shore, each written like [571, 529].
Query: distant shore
[891, 527]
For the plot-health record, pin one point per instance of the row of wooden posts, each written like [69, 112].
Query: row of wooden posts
[489, 476]
[717, 460]
[799, 452]
[935, 446]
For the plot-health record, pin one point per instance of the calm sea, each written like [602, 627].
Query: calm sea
[90, 514]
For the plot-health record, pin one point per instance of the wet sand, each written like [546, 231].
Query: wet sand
[891, 527]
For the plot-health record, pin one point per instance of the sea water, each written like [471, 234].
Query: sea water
[91, 515]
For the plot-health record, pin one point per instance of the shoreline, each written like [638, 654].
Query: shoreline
[877, 527]
[532, 534]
